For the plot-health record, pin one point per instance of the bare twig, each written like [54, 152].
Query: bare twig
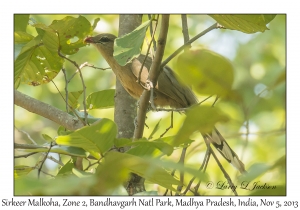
[67, 104]
[151, 30]
[44, 172]
[66, 89]
[181, 160]
[43, 161]
[26, 155]
[203, 166]
[28, 146]
[171, 126]
[55, 161]
[27, 134]
[221, 167]
[214, 26]
[82, 81]
[153, 76]
[185, 31]
[149, 47]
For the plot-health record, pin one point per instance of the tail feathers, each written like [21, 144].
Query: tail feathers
[222, 146]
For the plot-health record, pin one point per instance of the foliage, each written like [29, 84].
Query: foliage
[252, 85]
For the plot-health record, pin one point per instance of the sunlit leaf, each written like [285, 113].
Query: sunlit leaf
[96, 139]
[22, 37]
[101, 99]
[244, 23]
[208, 72]
[129, 46]
[36, 64]
[144, 168]
[71, 31]
[199, 118]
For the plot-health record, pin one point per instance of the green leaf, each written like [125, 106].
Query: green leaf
[180, 167]
[81, 174]
[101, 99]
[71, 28]
[96, 139]
[244, 23]
[208, 72]
[22, 170]
[36, 64]
[129, 46]
[67, 168]
[72, 185]
[144, 146]
[47, 138]
[254, 171]
[269, 18]
[65, 150]
[281, 162]
[95, 23]
[20, 22]
[125, 163]
[73, 98]
[61, 131]
[91, 119]
[199, 118]
[21, 37]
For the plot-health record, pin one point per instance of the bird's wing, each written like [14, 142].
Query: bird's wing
[167, 83]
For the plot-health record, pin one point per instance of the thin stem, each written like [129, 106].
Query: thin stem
[43, 161]
[153, 76]
[82, 81]
[185, 31]
[26, 155]
[27, 134]
[181, 160]
[214, 26]
[149, 47]
[66, 89]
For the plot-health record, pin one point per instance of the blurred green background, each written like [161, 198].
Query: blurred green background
[259, 61]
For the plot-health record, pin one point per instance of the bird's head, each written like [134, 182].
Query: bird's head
[103, 42]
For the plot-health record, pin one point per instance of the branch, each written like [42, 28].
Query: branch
[153, 76]
[214, 26]
[185, 30]
[45, 110]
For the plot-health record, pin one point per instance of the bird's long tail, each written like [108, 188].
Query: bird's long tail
[222, 146]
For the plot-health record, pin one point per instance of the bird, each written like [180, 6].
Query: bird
[168, 92]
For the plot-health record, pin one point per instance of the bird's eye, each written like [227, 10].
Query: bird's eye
[104, 39]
